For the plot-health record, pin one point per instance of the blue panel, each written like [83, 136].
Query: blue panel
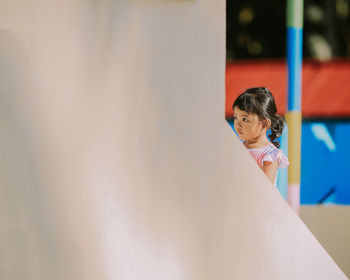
[294, 61]
[282, 178]
[341, 163]
[317, 179]
[325, 171]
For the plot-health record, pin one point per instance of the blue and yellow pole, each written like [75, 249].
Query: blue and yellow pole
[293, 115]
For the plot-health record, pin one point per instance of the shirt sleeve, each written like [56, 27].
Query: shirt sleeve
[276, 155]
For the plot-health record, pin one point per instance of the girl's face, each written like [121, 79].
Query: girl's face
[247, 125]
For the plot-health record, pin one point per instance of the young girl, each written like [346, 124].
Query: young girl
[255, 114]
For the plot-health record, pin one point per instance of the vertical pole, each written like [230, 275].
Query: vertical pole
[293, 115]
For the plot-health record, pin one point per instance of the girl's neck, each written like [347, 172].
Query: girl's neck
[258, 142]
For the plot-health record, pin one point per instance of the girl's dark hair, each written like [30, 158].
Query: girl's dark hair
[259, 101]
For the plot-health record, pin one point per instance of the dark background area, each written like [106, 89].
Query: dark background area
[257, 29]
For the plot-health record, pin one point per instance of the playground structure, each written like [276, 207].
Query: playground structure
[109, 170]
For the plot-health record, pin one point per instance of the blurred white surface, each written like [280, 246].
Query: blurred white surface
[116, 160]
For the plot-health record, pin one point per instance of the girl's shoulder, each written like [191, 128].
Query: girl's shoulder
[271, 153]
[274, 154]
[264, 150]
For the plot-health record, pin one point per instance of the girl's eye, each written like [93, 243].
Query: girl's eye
[234, 118]
[245, 119]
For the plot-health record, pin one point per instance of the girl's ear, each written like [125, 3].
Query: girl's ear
[267, 123]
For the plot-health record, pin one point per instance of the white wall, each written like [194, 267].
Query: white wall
[117, 162]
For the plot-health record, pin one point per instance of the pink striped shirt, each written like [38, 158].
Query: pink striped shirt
[269, 153]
